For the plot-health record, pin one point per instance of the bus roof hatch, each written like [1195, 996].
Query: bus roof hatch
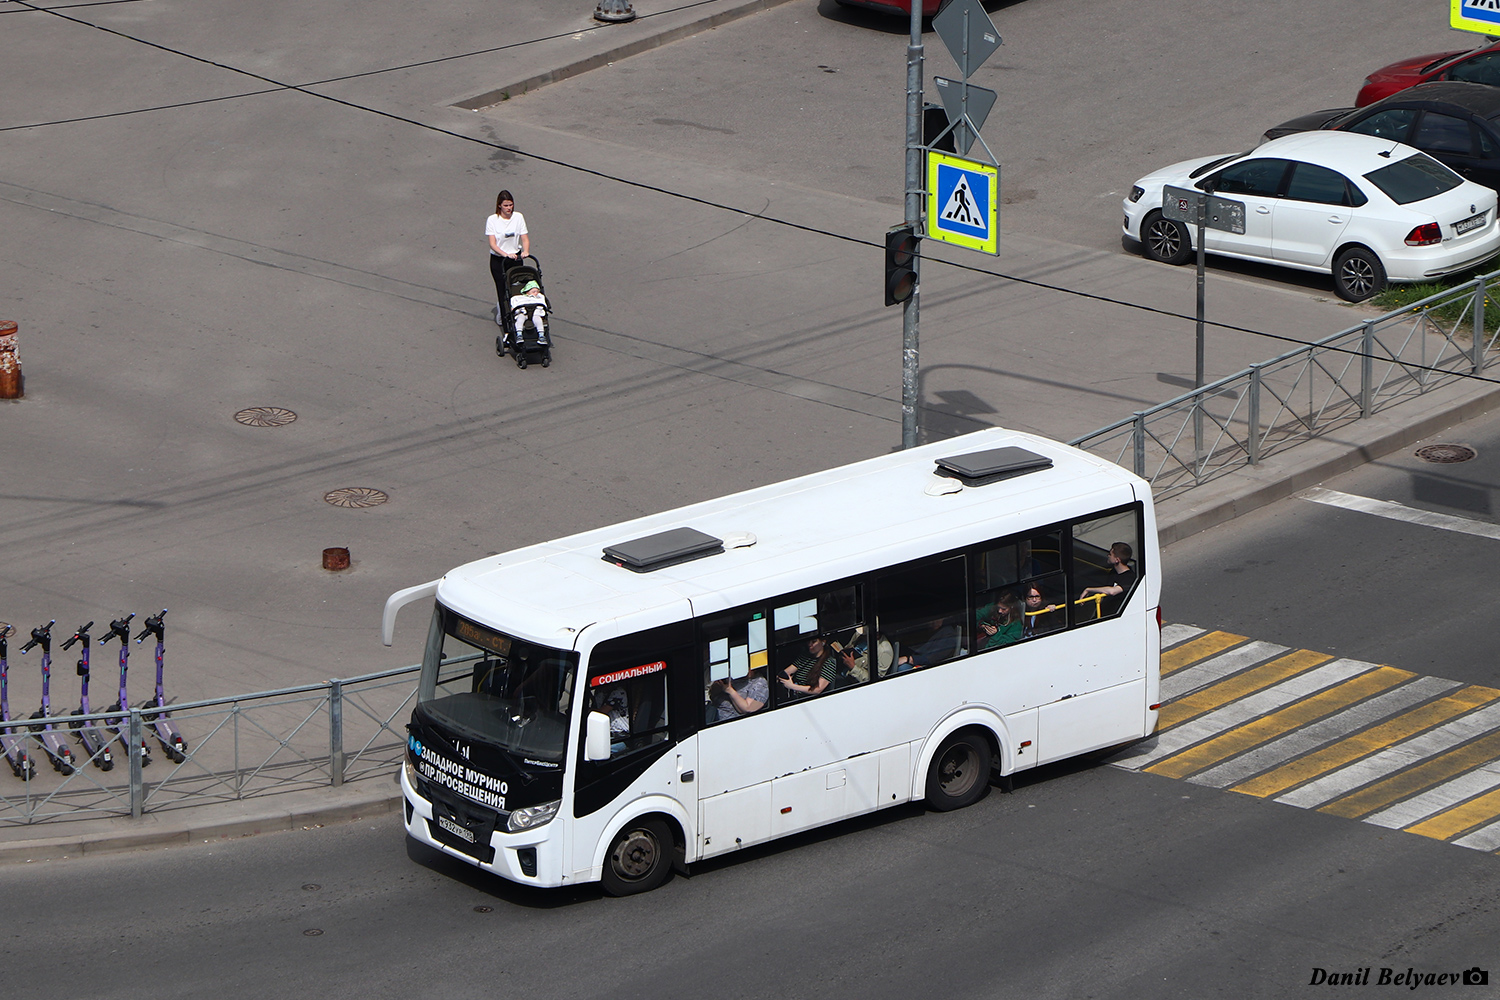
[980, 468]
[665, 548]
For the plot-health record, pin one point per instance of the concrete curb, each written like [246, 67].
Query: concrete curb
[490, 98]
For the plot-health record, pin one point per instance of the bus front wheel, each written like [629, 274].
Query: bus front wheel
[960, 772]
[640, 858]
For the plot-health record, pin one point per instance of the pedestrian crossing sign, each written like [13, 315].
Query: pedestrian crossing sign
[962, 198]
[1475, 15]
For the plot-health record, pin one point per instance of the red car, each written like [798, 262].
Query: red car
[1481, 65]
[929, 7]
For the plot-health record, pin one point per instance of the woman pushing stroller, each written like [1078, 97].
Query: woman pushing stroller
[505, 231]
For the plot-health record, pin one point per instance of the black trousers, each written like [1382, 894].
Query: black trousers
[498, 266]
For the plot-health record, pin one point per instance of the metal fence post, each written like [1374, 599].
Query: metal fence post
[1478, 325]
[1139, 433]
[1367, 371]
[238, 780]
[137, 784]
[336, 732]
[1253, 444]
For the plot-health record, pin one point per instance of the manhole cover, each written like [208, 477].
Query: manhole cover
[1446, 454]
[483, 909]
[313, 932]
[356, 496]
[265, 416]
[312, 887]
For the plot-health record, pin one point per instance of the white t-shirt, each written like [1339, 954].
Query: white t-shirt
[507, 232]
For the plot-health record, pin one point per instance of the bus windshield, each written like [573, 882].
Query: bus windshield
[491, 687]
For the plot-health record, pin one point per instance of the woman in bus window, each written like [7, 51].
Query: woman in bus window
[1000, 623]
[814, 670]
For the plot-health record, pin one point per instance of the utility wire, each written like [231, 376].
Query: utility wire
[642, 185]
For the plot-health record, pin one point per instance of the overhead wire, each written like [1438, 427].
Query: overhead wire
[279, 85]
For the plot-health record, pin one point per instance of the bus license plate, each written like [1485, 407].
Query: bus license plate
[457, 829]
[1473, 222]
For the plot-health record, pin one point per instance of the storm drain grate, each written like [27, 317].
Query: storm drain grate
[356, 496]
[1446, 454]
[265, 416]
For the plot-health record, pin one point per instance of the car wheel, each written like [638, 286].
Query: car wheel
[960, 772]
[1165, 240]
[639, 860]
[1358, 274]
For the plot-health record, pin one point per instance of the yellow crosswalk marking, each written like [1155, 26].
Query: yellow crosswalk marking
[1372, 740]
[1417, 779]
[1197, 649]
[1268, 727]
[1232, 688]
[1452, 822]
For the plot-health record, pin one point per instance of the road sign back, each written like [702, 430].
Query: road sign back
[962, 202]
[968, 32]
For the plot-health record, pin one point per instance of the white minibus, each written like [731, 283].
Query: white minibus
[633, 699]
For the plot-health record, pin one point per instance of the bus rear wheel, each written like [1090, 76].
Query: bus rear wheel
[960, 772]
[639, 860]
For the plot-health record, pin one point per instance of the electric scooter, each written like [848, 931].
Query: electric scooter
[95, 741]
[120, 629]
[155, 709]
[14, 747]
[52, 741]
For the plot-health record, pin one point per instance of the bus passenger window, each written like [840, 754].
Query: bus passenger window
[818, 643]
[634, 698]
[923, 612]
[735, 658]
[1044, 603]
[1105, 570]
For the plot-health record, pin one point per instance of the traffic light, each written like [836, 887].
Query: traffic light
[900, 264]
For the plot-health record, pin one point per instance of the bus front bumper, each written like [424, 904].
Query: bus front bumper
[532, 857]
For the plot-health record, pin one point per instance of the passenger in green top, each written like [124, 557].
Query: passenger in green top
[815, 670]
[1001, 622]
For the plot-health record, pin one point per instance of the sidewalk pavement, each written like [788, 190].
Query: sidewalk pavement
[159, 294]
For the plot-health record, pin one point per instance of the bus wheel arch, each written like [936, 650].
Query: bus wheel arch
[959, 770]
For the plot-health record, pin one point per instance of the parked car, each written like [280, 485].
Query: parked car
[1364, 209]
[1481, 65]
[902, 7]
[1457, 123]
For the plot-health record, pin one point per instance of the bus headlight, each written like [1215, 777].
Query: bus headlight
[532, 816]
[411, 772]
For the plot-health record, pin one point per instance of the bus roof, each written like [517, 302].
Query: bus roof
[801, 532]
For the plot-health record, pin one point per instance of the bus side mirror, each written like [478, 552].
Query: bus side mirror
[596, 737]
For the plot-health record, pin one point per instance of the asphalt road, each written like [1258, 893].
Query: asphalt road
[1313, 576]
[1084, 882]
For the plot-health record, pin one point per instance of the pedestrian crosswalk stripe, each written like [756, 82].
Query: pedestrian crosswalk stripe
[1233, 688]
[1197, 649]
[1393, 759]
[1415, 779]
[1294, 716]
[1302, 745]
[1451, 822]
[1353, 739]
[1371, 740]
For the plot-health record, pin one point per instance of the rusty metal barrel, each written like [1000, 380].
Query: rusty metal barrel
[11, 384]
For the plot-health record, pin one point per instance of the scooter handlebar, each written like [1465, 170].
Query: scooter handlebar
[42, 635]
[154, 627]
[118, 629]
[80, 635]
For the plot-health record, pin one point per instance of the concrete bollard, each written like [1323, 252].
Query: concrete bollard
[335, 559]
[12, 386]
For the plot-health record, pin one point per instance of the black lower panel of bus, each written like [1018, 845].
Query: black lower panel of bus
[463, 826]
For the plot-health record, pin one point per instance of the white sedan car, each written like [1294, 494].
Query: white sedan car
[1366, 210]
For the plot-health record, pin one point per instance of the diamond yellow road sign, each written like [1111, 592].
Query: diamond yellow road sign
[1482, 16]
[963, 198]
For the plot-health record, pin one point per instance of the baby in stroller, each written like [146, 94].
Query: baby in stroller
[529, 304]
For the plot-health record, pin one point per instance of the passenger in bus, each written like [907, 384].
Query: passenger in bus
[814, 670]
[1000, 622]
[1119, 586]
[730, 699]
[856, 657]
[942, 645]
[1040, 617]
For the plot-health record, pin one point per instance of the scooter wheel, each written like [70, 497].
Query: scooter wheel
[105, 765]
[65, 769]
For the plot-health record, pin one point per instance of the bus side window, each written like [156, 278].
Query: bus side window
[923, 612]
[1105, 557]
[820, 643]
[735, 652]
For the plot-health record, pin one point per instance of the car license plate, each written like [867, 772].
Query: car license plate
[457, 829]
[1473, 222]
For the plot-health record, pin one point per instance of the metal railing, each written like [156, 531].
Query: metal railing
[1307, 392]
[251, 745]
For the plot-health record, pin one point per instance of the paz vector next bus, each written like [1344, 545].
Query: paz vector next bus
[629, 700]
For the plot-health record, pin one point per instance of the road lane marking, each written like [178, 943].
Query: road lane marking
[1423, 809]
[1400, 512]
[1300, 745]
[1294, 716]
[1217, 695]
[1189, 653]
[1409, 782]
[1394, 758]
[1373, 740]
[1176, 635]
[1216, 668]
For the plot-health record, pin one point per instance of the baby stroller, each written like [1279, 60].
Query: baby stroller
[525, 315]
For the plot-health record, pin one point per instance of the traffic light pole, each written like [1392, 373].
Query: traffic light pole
[910, 308]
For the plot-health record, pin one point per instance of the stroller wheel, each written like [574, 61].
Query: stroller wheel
[521, 359]
[500, 346]
[546, 359]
